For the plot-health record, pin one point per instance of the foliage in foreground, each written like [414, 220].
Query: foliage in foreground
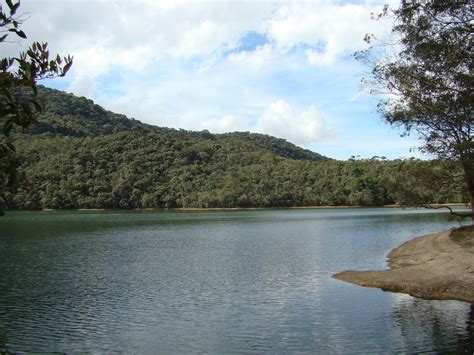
[20, 72]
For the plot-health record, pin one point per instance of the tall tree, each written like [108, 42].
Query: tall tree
[426, 79]
[17, 110]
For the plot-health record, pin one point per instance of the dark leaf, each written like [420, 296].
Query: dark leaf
[10, 4]
[66, 68]
[37, 106]
[27, 109]
[15, 7]
[11, 146]
[20, 33]
[7, 127]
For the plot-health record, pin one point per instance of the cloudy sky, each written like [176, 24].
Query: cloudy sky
[283, 68]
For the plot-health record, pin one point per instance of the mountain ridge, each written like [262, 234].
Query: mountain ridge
[65, 114]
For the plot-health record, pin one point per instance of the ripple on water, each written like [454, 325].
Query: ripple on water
[246, 282]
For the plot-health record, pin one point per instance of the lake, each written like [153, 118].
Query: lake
[226, 281]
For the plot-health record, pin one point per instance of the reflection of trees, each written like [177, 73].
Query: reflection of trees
[435, 326]
[468, 344]
[3, 342]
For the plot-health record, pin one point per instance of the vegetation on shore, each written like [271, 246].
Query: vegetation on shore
[82, 156]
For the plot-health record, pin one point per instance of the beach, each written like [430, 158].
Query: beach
[436, 266]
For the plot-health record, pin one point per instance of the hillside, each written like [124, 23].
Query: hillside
[68, 115]
[80, 155]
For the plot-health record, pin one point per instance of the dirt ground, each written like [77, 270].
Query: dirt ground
[436, 266]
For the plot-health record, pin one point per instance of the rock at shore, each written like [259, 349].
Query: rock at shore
[436, 266]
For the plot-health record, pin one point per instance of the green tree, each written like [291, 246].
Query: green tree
[429, 79]
[17, 106]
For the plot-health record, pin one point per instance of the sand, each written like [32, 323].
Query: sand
[437, 266]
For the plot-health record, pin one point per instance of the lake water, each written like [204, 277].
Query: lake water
[237, 281]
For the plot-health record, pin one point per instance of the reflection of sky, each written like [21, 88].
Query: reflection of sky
[214, 281]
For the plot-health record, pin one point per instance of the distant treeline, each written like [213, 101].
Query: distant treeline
[82, 156]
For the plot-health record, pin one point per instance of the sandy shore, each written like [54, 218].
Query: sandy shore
[436, 266]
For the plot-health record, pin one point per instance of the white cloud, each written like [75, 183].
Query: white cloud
[184, 63]
[280, 119]
[227, 123]
[255, 59]
[183, 28]
[83, 85]
[319, 58]
[90, 64]
[203, 38]
[124, 36]
[300, 127]
[328, 29]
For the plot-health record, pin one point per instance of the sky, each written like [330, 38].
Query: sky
[283, 68]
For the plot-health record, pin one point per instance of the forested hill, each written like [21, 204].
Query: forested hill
[68, 115]
[80, 155]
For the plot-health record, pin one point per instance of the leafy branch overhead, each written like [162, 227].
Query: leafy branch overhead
[424, 77]
[22, 71]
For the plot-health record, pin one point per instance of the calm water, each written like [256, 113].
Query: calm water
[241, 281]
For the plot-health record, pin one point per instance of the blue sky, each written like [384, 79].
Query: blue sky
[283, 68]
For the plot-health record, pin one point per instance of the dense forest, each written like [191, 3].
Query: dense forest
[80, 155]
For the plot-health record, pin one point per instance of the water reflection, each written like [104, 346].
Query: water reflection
[447, 325]
[257, 281]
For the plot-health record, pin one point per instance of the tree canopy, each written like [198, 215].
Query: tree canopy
[425, 77]
[80, 155]
[22, 71]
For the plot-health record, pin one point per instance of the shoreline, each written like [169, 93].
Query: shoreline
[438, 266]
[455, 204]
